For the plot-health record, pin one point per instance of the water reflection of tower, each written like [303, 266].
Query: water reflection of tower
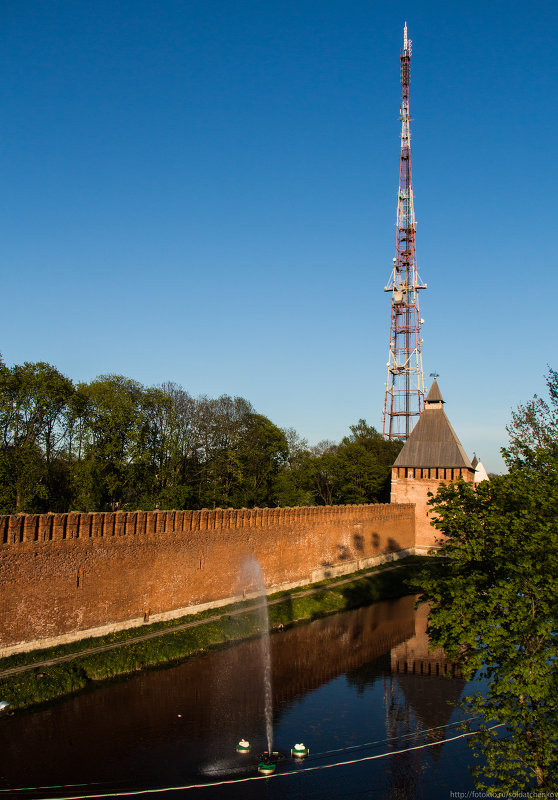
[414, 656]
[400, 723]
[409, 707]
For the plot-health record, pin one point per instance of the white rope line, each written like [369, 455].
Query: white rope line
[391, 738]
[230, 781]
[55, 786]
[314, 755]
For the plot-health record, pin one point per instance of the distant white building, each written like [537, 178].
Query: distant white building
[480, 473]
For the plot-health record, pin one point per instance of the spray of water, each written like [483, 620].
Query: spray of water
[253, 581]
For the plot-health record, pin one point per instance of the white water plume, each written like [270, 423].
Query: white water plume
[253, 583]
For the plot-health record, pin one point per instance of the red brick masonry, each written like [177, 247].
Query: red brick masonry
[66, 576]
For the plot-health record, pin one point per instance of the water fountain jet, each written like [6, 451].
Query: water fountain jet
[253, 582]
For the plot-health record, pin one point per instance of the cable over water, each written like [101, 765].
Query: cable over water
[302, 770]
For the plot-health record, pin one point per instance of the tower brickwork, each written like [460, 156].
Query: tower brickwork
[432, 455]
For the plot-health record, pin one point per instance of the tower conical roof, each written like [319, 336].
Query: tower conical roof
[434, 395]
[480, 471]
[433, 442]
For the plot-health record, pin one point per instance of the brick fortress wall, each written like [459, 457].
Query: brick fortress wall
[68, 576]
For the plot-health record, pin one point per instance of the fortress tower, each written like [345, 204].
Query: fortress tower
[432, 455]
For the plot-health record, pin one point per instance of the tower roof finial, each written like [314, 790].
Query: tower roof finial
[434, 395]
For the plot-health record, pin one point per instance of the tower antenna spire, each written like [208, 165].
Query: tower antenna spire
[404, 398]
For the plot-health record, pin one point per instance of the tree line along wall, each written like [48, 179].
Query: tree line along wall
[68, 576]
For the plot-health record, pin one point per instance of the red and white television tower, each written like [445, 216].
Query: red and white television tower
[404, 401]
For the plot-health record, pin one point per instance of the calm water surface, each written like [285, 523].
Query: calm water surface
[358, 684]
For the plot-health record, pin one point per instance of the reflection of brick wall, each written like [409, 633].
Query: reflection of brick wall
[123, 728]
[334, 646]
[66, 575]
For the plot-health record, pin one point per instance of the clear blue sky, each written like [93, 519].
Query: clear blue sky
[205, 192]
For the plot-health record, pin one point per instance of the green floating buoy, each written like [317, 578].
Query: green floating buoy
[243, 746]
[266, 768]
[299, 751]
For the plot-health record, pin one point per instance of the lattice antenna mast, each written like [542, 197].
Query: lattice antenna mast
[404, 400]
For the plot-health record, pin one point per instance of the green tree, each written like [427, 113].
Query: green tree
[33, 400]
[357, 470]
[221, 426]
[171, 444]
[113, 469]
[262, 452]
[366, 460]
[292, 484]
[534, 427]
[494, 602]
[115, 444]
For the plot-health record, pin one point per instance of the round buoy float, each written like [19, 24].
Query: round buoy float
[299, 751]
[266, 767]
[243, 746]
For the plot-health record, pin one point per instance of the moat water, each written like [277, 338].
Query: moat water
[357, 687]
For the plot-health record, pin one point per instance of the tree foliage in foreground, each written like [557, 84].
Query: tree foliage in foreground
[494, 601]
[116, 444]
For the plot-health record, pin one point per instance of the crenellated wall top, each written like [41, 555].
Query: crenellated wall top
[16, 528]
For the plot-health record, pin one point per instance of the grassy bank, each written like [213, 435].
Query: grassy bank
[175, 640]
